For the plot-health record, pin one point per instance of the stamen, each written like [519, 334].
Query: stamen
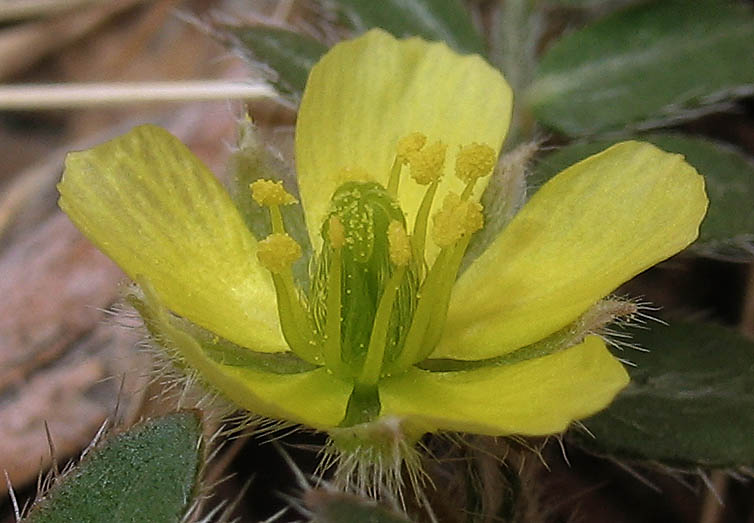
[406, 146]
[442, 299]
[453, 226]
[424, 309]
[372, 368]
[475, 161]
[277, 253]
[268, 193]
[426, 165]
[272, 194]
[456, 218]
[473, 220]
[419, 237]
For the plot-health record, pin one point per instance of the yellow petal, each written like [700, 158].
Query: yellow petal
[366, 94]
[589, 229]
[314, 398]
[147, 202]
[535, 397]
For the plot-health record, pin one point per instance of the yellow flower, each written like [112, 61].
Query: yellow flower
[394, 144]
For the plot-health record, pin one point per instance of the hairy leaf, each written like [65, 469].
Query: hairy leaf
[445, 20]
[149, 473]
[646, 66]
[690, 402]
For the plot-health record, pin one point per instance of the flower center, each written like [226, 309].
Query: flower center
[376, 305]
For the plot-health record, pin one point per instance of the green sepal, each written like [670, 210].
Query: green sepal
[218, 349]
[601, 314]
[253, 160]
[314, 398]
[149, 473]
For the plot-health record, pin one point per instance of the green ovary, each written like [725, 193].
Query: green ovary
[366, 211]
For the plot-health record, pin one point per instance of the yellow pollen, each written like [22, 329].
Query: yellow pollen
[400, 246]
[456, 218]
[408, 145]
[473, 220]
[277, 252]
[475, 160]
[336, 232]
[426, 165]
[267, 192]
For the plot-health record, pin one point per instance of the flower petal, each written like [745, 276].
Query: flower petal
[535, 397]
[589, 229]
[314, 398]
[366, 94]
[158, 212]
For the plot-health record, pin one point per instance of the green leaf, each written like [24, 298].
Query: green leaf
[149, 473]
[646, 66]
[336, 507]
[587, 4]
[728, 229]
[289, 54]
[690, 402]
[445, 20]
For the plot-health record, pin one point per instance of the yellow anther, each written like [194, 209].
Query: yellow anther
[456, 218]
[408, 145]
[336, 232]
[426, 165]
[277, 252]
[399, 244]
[267, 192]
[473, 220]
[448, 226]
[475, 160]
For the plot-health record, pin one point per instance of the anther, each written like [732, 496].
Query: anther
[269, 193]
[277, 252]
[473, 220]
[426, 165]
[408, 145]
[475, 161]
[456, 218]
[404, 149]
[399, 244]
[336, 232]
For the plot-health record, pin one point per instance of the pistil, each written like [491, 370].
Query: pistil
[400, 255]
